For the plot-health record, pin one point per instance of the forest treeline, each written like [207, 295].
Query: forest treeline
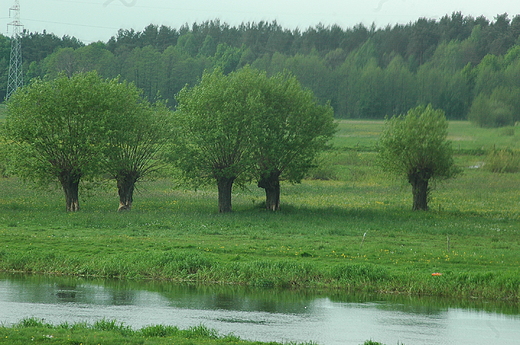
[469, 67]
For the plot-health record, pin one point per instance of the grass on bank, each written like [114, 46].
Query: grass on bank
[108, 332]
[355, 232]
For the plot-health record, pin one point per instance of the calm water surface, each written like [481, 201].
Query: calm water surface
[261, 314]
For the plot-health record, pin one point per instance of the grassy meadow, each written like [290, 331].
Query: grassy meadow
[351, 230]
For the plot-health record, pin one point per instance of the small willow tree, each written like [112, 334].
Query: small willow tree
[414, 146]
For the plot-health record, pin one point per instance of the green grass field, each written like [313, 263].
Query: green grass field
[352, 232]
[355, 232]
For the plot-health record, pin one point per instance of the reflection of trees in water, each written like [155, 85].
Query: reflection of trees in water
[427, 304]
[232, 297]
[121, 297]
[44, 289]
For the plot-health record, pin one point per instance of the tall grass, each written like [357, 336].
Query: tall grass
[35, 331]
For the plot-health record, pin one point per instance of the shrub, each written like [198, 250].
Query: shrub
[503, 161]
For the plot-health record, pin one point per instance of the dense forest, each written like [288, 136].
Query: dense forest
[469, 67]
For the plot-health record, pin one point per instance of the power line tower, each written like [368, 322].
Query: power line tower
[15, 78]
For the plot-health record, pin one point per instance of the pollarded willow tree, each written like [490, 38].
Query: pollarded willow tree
[214, 121]
[135, 145]
[246, 126]
[290, 129]
[59, 130]
[414, 146]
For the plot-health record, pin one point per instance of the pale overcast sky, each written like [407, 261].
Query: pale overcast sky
[92, 20]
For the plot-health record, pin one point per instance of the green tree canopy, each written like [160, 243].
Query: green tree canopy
[246, 126]
[414, 146]
[135, 147]
[290, 129]
[58, 129]
[214, 120]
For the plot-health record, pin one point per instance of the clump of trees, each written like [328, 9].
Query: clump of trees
[229, 128]
[71, 129]
[414, 146]
[246, 126]
[455, 63]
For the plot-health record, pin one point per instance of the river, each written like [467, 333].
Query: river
[261, 314]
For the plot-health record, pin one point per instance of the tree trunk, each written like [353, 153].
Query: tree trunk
[225, 187]
[125, 188]
[271, 184]
[420, 192]
[70, 184]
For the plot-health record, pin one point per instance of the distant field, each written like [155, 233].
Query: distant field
[463, 134]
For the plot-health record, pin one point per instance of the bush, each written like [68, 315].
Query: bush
[495, 110]
[503, 161]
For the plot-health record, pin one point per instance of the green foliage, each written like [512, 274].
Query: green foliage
[111, 332]
[64, 130]
[214, 120]
[499, 109]
[290, 128]
[416, 142]
[245, 126]
[359, 273]
[350, 234]
[59, 125]
[112, 325]
[159, 331]
[363, 72]
[414, 146]
[503, 161]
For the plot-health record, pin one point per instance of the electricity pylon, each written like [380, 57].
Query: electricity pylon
[15, 78]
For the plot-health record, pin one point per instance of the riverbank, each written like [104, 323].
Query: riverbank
[352, 232]
[176, 235]
[110, 332]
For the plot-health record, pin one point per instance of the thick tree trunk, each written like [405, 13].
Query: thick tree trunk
[271, 184]
[70, 184]
[125, 188]
[420, 192]
[225, 187]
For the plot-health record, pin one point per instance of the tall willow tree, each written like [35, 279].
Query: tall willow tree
[245, 126]
[135, 145]
[414, 146]
[290, 129]
[214, 121]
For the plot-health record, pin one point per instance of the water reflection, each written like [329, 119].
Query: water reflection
[261, 314]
